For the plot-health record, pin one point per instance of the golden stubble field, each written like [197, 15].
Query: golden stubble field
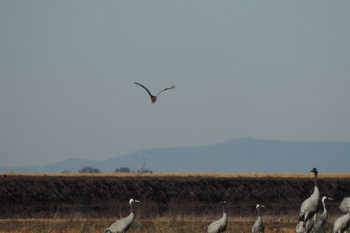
[168, 222]
[218, 175]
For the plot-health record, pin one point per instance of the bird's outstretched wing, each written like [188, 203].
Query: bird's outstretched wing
[144, 88]
[167, 88]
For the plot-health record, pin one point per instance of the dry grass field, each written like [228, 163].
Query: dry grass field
[170, 203]
[163, 225]
[92, 226]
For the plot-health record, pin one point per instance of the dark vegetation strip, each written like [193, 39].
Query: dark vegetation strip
[105, 197]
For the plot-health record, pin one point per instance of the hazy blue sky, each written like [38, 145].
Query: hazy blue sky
[260, 69]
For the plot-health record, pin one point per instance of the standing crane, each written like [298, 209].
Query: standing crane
[258, 226]
[345, 205]
[220, 225]
[154, 97]
[124, 224]
[311, 205]
[305, 227]
[322, 218]
[343, 222]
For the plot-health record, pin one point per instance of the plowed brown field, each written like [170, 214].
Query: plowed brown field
[46, 203]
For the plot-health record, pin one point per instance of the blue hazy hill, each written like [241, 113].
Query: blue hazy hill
[242, 155]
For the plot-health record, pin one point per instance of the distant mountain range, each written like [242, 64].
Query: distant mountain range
[241, 155]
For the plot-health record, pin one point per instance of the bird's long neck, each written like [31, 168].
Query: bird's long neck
[324, 205]
[224, 217]
[223, 209]
[131, 208]
[315, 178]
[258, 211]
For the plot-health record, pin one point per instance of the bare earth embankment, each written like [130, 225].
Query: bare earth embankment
[169, 203]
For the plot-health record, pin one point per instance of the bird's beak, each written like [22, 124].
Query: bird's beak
[136, 201]
[329, 198]
[262, 206]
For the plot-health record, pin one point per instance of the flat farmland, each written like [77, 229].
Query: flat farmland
[169, 202]
[139, 226]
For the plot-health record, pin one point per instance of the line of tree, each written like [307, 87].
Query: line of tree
[89, 169]
[144, 171]
[122, 170]
[127, 170]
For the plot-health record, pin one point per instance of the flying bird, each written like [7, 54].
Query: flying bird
[258, 226]
[154, 97]
[124, 224]
[220, 225]
[311, 205]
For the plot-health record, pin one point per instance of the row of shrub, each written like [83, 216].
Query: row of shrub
[89, 169]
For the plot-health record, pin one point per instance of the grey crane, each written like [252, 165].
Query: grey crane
[342, 223]
[311, 205]
[305, 227]
[345, 205]
[124, 224]
[219, 225]
[154, 97]
[258, 226]
[321, 219]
